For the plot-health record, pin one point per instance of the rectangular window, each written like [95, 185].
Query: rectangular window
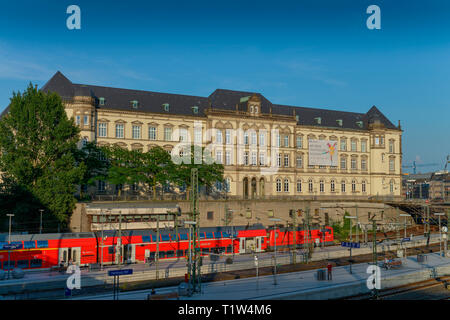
[363, 146]
[363, 164]
[253, 138]
[299, 162]
[353, 163]
[136, 132]
[152, 133]
[391, 146]
[353, 145]
[279, 160]
[183, 134]
[246, 137]
[228, 158]
[286, 160]
[278, 140]
[119, 130]
[29, 245]
[219, 136]
[249, 214]
[299, 142]
[377, 141]
[270, 213]
[102, 130]
[42, 244]
[86, 120]
[168, 134]
[253, 158]
[228, 136]
[391, 164]
[218, 156]
[210, 215]
[245, 158]
[262, 139]
[343, 145]
[198, 135]
[286, 141]
[343, 163]
[262, 159]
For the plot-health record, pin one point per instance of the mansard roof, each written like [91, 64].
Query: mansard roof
[153, 102]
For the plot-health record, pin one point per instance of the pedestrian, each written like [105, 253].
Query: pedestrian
[329, 267]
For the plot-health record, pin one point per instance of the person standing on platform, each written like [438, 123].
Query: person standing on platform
[329, 267]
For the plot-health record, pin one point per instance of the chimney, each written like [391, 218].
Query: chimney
[399, 126]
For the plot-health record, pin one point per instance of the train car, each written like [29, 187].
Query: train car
[42, 251]
[285, 238]
[47, 250]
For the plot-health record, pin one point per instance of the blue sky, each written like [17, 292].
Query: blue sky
[307, 53]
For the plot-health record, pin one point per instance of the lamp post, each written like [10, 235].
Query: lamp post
[275, 240]
[40, 225]
[10, 215]
[405, 216]
[439, 214]
[351, 217]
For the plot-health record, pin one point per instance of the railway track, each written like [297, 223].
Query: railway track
[435, 289]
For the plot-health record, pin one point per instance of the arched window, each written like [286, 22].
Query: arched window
[310, 185]
[299, 185]
[278, 185]
[286, 185]
[353, 186]
[342, 186]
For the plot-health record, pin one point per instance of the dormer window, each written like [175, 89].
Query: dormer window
[339, 122]
[359, 124]
[251, 109]
[134, 104]
[101, 101]
[166, 107]
[297, 118]
[318, 120]
[256, 109]
[195, 109]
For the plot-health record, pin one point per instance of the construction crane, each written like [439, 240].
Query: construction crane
[414, 165]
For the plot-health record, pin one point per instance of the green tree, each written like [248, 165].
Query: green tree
[38, 144]
[95, 162]
[157, 168]
[209, 172]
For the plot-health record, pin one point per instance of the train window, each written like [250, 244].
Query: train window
[229, 249]
[2, 244]
[94, 219]
[152, 255]
[35, 263]
[111, 250]
[184, 236]
[222, 249]
[217, 235]
[170, 254]
[202, 235]
[42, 244]
[209, 235]
[22, 264]
[186, 253]
[29, 244]
[225, 235]
[162, 254]
[173, 237]
[180, 253]
[12, 263]
[165, 237]
[146, 238]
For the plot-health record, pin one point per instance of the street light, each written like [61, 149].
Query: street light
[275, 240]
[405, 216]
[351, 217]
[439, 214]
[10, 215]
[40, 225]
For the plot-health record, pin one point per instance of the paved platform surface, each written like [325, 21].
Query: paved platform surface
[304, 285]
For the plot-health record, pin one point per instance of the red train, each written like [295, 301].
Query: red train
[41, 251]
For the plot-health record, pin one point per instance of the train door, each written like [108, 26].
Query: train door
[70, 254]
[242, 245]
[129, 253]
[259, 242]
[250, 245]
